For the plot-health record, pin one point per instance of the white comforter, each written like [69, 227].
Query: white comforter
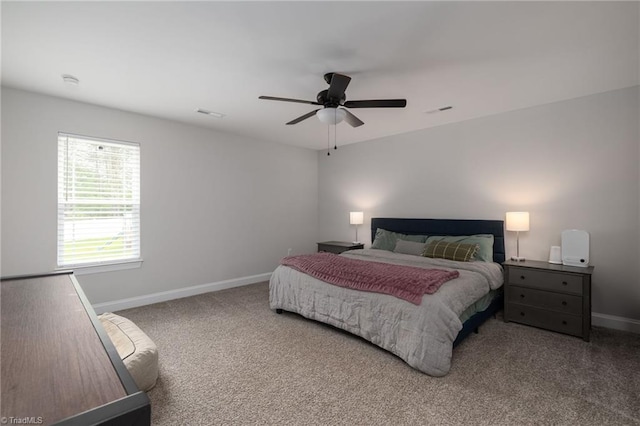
[421, 335]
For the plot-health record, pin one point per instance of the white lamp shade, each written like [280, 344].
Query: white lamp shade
[517, 221]
[356, 218]
[331, 115]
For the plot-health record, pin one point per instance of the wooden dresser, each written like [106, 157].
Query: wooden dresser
[58, 364]
[554, 297]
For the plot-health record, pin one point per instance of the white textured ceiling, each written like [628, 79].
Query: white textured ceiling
[167, 59]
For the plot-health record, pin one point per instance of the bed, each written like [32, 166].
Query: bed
[423, 334]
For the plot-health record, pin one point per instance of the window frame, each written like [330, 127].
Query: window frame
[104, 265]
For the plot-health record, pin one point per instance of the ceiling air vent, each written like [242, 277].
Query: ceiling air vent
[211, 113]
[433, 111]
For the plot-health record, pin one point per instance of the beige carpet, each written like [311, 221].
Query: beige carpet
[226, 358]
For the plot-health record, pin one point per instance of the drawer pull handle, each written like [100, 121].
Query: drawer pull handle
[522, 296]
[521, 314]
[564, 323]
[564, 283]
[522, 277]
[564, 303]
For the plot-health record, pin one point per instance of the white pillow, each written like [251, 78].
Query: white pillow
[409, 247]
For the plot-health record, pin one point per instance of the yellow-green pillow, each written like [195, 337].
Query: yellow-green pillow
[452, 251]
[484, 242]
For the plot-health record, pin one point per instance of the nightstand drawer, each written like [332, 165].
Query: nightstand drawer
[563, 323]
[338, 247]
[558, 302]
[544, 280]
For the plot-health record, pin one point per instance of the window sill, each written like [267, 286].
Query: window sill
[98, 268]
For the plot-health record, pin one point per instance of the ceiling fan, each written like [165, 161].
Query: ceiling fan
[334, 102]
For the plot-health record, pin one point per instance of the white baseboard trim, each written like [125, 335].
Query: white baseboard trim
[163, 296]
[617, 323]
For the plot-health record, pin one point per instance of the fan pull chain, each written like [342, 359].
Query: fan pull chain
[328, 142]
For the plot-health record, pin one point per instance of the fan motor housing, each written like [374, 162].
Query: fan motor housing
[323, 98]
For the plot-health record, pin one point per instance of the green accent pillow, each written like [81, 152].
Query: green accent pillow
[414, 248]
[484, 242]
[453, 251]
[386, 240]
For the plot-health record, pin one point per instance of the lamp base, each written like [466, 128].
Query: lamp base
[517, 259]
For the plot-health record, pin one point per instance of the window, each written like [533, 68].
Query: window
[98, 201]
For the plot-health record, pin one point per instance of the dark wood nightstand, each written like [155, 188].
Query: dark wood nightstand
[338, 247]
[545, 295]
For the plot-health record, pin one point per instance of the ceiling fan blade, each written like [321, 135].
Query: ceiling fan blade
[338, 86]
[377, 103]
[300, 101]
[303, 117]
[352, 119]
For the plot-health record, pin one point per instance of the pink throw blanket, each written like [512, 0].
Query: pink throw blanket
[404, 282]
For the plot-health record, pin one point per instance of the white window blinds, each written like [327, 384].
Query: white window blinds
[98, 201]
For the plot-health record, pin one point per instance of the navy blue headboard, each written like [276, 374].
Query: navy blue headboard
[445, 227]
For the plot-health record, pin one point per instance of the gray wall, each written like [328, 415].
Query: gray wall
[571, 164]
[214, 206]
[218, 207]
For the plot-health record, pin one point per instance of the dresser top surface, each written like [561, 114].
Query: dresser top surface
[53, 362]
[538, 264]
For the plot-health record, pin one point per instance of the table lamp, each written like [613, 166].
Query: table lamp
[356, 218]
[517, 221]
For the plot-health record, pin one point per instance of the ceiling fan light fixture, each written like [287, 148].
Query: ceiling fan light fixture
[331, 116]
